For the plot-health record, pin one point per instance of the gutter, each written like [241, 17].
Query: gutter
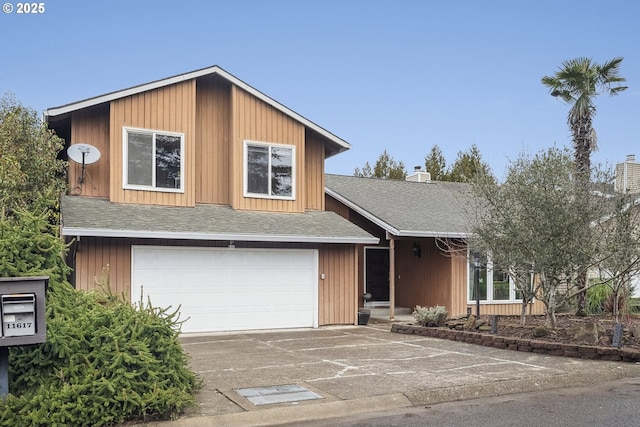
[96, 232]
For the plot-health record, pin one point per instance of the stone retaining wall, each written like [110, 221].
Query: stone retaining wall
[523, 344]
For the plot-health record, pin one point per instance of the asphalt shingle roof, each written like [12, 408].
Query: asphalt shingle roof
[86, 216]
[404, 208]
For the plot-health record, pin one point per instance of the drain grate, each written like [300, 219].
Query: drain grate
[277, 394]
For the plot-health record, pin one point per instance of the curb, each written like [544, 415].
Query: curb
[525, 385]
[344, 408]
[290, 414]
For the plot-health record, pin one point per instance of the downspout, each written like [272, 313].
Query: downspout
[356, 276]
[392, 276]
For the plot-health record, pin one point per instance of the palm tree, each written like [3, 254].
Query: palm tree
[577, 83]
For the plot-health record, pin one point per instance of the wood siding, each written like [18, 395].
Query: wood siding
[337, 295]
[216, 119]
[424, 280]
[314, 172]
[91, 126]
[170, 108]
[434, 278]
[255, 120]
[337, 300]
[213, 139]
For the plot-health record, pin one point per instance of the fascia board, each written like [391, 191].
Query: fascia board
[448, 235]
[377, 221]
[390, 229]
[68, 108]
[94, 232]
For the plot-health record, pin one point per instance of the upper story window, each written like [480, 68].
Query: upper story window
[269, 170]
[153, 160]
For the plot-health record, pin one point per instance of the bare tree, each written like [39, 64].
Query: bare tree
[618, 237]
[533, 224]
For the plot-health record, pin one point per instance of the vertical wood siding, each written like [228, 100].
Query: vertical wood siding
[170, 108]
[91, 126]
[99, 259]
[458, 285]
[337, 293]
[213, 136]
[314, 172]
[423, 280]
[254, 120]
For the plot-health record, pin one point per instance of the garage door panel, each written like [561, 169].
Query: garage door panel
[229, 289]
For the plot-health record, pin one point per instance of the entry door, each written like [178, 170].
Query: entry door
[377, 275]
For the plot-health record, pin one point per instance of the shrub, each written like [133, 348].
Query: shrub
[597, 295]
[105, 361]
[430, 316]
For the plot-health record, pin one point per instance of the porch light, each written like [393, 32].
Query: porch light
[417, 250]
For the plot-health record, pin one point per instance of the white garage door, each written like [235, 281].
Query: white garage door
[229, 289]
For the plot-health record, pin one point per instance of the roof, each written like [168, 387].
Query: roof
[406, 209]
[63, 110]
[87, 216]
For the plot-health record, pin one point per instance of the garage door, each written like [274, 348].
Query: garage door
[229, 289]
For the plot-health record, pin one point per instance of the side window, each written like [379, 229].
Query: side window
[153, 160]
[494, 284]
[269, 170]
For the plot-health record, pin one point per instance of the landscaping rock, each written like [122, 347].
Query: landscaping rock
[635, 331]
[470, 324]
[587, 333]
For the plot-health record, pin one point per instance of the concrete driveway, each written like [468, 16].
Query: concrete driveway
[344, 370]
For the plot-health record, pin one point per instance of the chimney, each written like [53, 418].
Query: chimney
[418, 175]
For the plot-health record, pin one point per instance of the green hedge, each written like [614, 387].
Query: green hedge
[105, 361]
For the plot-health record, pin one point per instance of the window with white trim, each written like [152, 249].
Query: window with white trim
[495, 284]
[269, 170]
[153, 160]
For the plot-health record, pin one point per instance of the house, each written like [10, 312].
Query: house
[627, 175]
[202, 193]
[422, 258]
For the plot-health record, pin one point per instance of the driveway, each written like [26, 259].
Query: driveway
[336, 371]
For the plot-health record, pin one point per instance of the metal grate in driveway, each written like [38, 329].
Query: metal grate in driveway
[277, 394]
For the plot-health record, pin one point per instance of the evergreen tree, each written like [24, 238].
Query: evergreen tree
[436, 164]
[386, 168]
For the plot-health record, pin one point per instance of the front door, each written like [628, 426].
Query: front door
[377, 276]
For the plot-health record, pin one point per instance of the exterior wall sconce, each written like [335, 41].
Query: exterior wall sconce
[417, 250]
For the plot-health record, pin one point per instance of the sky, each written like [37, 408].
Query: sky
[395, 75]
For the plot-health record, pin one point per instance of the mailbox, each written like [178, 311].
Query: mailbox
[18, 315]
[22, 310]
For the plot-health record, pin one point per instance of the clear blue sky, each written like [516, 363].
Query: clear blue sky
[398, 75]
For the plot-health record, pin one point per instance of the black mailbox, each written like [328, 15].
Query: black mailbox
[22, 310]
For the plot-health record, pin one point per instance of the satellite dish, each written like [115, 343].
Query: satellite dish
[84, 154]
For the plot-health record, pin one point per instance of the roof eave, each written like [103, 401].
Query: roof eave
[436, 234]
[374, 219]
[393, 230]
[90, 102]
[96, 232]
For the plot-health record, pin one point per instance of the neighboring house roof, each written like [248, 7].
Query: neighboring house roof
[86, 216]
[406, 209]
[340, 144]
